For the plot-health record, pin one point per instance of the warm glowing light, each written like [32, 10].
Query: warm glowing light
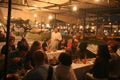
[35, 15]
[68, 24]
[5, 17]
[97, 0]
[118, 30]
[43, 25]
[35, 5]
[75, 8]
[92, 23]
[50, 17]
[47, 25]
[92, 28]
[37, 22]
[0, 24]
[12, 17]
[110, 23]
[81, 27]
[115, 31]
[87, 26]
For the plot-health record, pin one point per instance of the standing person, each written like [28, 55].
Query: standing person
[56, 37]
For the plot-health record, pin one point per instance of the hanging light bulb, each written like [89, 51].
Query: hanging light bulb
[50, 17]
[74, 8]
[35, 15]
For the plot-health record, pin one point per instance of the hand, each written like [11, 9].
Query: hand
[56, 39]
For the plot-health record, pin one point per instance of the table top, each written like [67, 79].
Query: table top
[80, 65]
[53, 52]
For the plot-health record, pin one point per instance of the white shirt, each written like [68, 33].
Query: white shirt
[55, 36]
[65, 73]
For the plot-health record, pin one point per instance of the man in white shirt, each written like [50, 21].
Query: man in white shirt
[56, 37]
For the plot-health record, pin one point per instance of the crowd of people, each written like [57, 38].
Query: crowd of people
[33, 58]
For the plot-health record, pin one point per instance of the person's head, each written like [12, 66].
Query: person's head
[35, 46]
[112, 46]
[76, 42]
[63, 41]
[11, 40]
[56, 29]
[83, 45]
[65, 59]
[24, 41]
[70, 41]
[38, 58]
[103, 51]
[22, 47]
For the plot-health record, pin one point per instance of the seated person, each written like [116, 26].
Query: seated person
[41, 70]
[11, 46]
[45, 45]
[69, 43]
[101, 67]
[2, 36]
[36, 45]
[84, 52]
[16, 58]
[115, 60]
[64, 70]
[62, 44]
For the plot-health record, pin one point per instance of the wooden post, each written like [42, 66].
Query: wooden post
[7, 38]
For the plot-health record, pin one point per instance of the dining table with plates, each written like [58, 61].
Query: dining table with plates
[54, 54]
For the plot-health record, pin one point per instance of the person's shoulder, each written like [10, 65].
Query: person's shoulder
[33, 75]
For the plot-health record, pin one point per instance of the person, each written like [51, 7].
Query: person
[2, 37]
[115, 60]
[56, 37]
[24, 41]
[16, 58]
[41, 70]
[62, 44]
[36, 45]
[45, 45]
[101, 67]
[84, 52]
[11, 46]
[64, 70]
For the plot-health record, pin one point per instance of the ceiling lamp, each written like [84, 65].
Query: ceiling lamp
[97, 0]
[50, 17]
[35, 15]
[74, 8]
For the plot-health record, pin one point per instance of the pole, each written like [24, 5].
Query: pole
[84, 23]
[7, 38]
[97, 25]
[55, 19]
